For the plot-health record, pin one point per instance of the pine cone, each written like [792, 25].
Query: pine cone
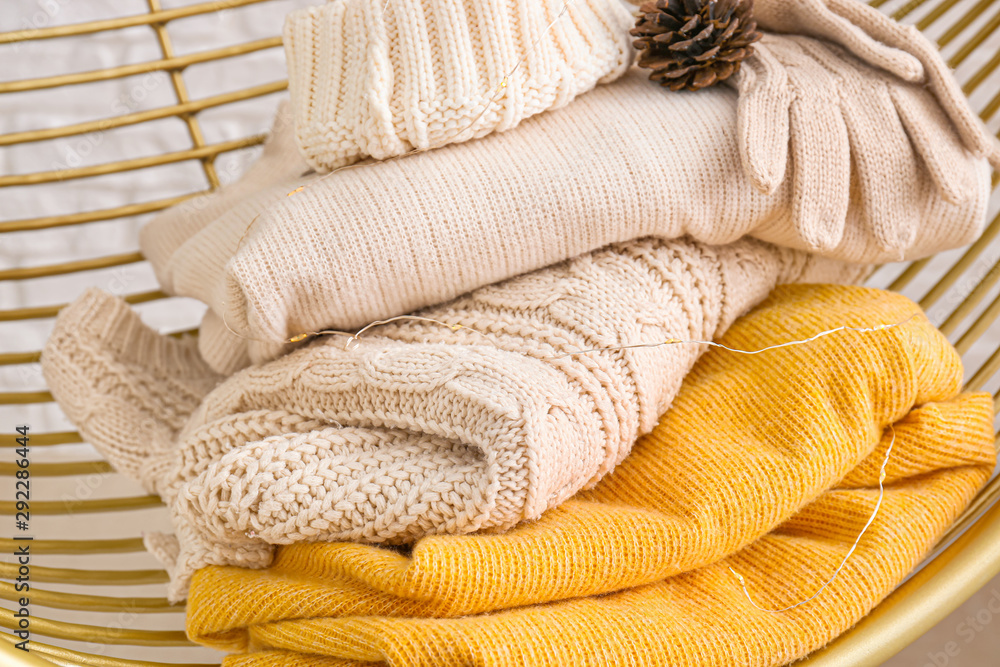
[694, 43]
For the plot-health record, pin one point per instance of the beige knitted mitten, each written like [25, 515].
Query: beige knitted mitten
[418, 428]
[624, 161]
[901, 50]
[379, 79]
[809, 105]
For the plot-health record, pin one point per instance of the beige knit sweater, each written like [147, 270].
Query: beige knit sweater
[417, 428]
[624, 161]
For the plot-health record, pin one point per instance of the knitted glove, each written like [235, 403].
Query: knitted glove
[900, 50]
[624, 161]
[419, 429]
[808, 102]
[767, 463]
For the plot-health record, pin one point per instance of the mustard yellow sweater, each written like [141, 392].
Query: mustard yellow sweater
[768, 464]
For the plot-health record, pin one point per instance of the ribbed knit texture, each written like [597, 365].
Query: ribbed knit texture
[765, 463]
[624, 161]
[370, 79]
[418, 429]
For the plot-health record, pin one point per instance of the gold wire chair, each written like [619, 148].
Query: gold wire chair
[959, 289]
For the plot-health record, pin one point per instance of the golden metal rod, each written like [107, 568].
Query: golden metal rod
[104, 635]
[182, 333]
[991, 107]
[62, 469]
[979, 327]
[15, 358]
[129, 210]
[122, 71]
[85, 547]
[82, 506]
[95, 603]
[964, 263]
[906, 9]
[974, 43]
[180, 90]
[129, 165]
[933, 16]
[42, 439]
[25, 397]
[981, 75]
[142, 116]
[40, 312]
[15, 657]
[908, 274]
[27, 272]
[985, 372]
[65, 656]
[970, 301]
[963, 23]
[86, 577]
[91, 27]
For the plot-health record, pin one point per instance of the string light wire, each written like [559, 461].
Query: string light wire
[353, 339]
[843, 563]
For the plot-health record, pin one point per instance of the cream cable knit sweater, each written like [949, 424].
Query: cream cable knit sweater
[370, 78]
[418, 429]
[624, 161]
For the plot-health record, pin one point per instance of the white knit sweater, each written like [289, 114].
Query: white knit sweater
[375, 79]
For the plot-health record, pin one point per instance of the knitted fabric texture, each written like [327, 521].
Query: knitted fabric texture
[768, 464]
[387, 238]
[371, 79]
[417, 428]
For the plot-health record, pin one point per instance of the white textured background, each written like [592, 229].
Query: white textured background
[64, 105]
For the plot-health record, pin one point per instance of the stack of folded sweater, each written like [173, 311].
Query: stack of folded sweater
[448, 317]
